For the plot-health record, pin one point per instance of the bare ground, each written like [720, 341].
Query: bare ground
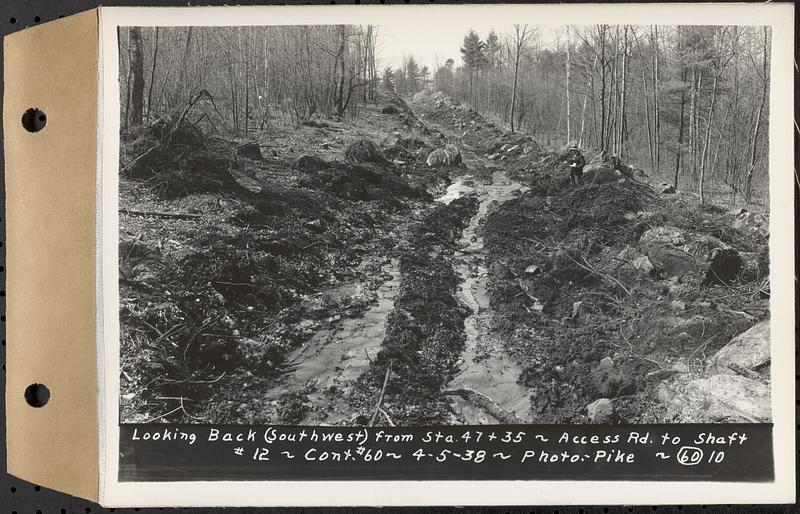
[311, 290]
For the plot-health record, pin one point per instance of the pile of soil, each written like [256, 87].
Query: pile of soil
[177, 159]
[581, 308]
[425, 332]
[362, 182]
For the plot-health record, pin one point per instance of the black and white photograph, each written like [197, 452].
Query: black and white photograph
[430, 222]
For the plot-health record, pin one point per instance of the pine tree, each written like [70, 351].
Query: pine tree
[473, 55]
[388, 80]
[412, 74]
[493, 51]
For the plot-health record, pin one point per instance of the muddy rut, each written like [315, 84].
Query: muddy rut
[485, 390]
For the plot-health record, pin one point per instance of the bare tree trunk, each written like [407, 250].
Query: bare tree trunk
[647, 118]
[748, 185]
[569, 135]
[126, 121]
[656, 108]
[137, 71]
[680, 133]
[704, 153]
[152, 76]
[624, 92]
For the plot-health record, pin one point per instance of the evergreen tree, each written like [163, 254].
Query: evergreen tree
[388, 80]
[412, 74]
[473, 56]
[493, 50]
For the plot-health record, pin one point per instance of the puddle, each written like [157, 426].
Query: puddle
[485, 369]
[336, 358]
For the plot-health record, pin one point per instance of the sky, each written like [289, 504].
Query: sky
[429, 40]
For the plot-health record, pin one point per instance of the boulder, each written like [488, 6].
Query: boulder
[364, 150]
[750, 349]
[311, 163]
[245, 180]
[732, 396]
[666, 235]
[671, 261]
[666, 189]
[250, 151]
[601, 411]
[447, 156]
[600, 174]
[750, 222]
[605, 363]
[722, 263]
[636, 259]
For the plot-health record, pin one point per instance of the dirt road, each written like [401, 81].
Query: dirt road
[394, 293]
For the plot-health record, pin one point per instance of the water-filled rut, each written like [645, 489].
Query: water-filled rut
[336, 358]
[486, 387]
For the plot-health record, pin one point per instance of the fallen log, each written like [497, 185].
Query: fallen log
[177, 215]
[486, 403]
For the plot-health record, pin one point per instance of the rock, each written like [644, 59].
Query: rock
[311, 163]
[666, 189]
[665, 394]
[533, 269]
[677, 305]
[636, 259]
[750, 349]
[600, 174]
[751, 222]
[663, 235]
[315, 225]
[578, 310]
[245, 180]
[250, 151]
[364, 150]
[447, 156]
[733, 396]
[673, 262]
[600, 411]
[605, 363]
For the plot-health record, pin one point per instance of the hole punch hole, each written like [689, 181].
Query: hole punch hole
[37, 395]
[34, 120]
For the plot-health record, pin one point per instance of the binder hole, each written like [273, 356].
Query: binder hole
[36, 19]
[34, 120]
[13, 20]
[37, 395]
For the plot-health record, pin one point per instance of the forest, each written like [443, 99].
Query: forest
[687, 104]
[313, 232]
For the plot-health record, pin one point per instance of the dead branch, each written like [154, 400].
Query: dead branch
[741, 370]
[608, 278]
[487, 404]
[383, 391]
